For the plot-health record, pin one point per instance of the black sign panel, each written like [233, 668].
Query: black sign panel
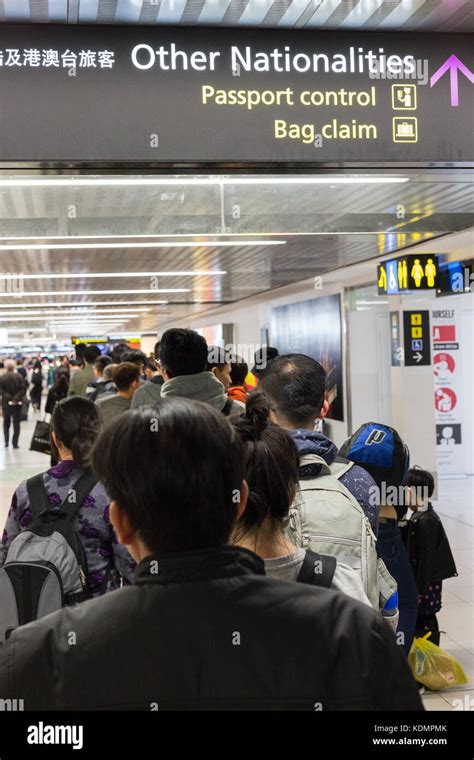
[407, 273]
[416, 335]
[202, 95]
[396, 351]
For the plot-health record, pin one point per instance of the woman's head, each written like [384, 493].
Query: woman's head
[272, 467]
[75, 425]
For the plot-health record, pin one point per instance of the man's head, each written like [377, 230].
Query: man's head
[109, 371]
[10, 365]
[126, 377]
[91, 353]
[100, 364]
[135, 357]
[158, 510]
[219, 363]
[182, 352]
[238, 371]
[295, 386]
[262, 358]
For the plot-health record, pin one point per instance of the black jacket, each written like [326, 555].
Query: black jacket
[208, 630]
[12, 387]
[428, 550]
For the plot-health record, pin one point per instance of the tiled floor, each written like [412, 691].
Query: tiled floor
[457, 616]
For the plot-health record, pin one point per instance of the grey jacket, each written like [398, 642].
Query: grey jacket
[147, 394]
[201, 387]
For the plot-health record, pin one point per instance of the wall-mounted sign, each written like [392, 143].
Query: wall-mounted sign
[416, 335]
[450, 413]
[396, 350]
[407, 273]
[228, 95]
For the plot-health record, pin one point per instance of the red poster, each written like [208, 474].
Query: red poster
[443, 333]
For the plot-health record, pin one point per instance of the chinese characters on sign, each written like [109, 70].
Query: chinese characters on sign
[408, 273]
[34, 58]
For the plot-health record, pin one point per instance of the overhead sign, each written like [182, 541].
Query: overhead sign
[407, 273]
[79, 94]
[416, 335]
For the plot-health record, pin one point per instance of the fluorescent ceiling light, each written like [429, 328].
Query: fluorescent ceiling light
[192, 181]
[19, 317]
[79, 304]
[372, 303]
[30, 293]
[184, 244]
[76, 275]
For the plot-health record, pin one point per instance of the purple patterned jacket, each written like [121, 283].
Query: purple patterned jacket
[91, 522]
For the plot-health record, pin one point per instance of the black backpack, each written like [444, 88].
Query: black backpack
[317, 569]
[46, 565]
[226, 409]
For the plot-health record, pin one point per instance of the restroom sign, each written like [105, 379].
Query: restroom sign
[408, 274]
[416, 333]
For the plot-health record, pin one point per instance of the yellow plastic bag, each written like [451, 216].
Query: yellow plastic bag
[433, 667]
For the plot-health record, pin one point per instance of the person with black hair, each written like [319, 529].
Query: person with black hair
[183, 356]
[36, 385]
[262, 357]
[219, 363]
[97, 385]
[75, 425]
[12, 391]
[295, 385]
[126, 378]
[429, 552]
[149, 393]
[134, 356]
[238, 372]
[202, 628]
[57, 392]
[272, 474]
[81, 379]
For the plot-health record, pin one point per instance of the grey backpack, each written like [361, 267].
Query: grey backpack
[46, 566]
[326, 518]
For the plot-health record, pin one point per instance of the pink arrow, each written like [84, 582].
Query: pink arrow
[453, 65]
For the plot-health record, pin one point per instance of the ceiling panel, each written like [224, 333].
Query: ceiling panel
[401, 15]
[278, 231]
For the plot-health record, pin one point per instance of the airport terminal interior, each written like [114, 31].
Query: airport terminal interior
[365, 265]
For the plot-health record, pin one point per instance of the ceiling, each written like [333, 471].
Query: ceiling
[384, 15]
[249, 234]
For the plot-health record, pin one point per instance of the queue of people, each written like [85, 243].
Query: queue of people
[253, 564]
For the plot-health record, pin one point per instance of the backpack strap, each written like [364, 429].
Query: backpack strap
[37, 495]
[227, 407]
[328, 568]
[82, 488]
[340, 466]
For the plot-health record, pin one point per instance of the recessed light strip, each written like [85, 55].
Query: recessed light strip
[78, 304]
[78, 275]
[29, 293]
[81, 246]
[323, 179]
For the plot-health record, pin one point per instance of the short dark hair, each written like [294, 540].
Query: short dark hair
[156, 350]
[182, 352]
[272, 466]
[169, 512]
[76, 423]
[91, 353]
[101, 362]
[135, 356]
[125, 374]
[295, 385]
[238, 371]
[217, 357]
[262, 357]
[421, 479]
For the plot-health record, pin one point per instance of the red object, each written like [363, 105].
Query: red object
[444, 333]
[445, 400]
[237, 393]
